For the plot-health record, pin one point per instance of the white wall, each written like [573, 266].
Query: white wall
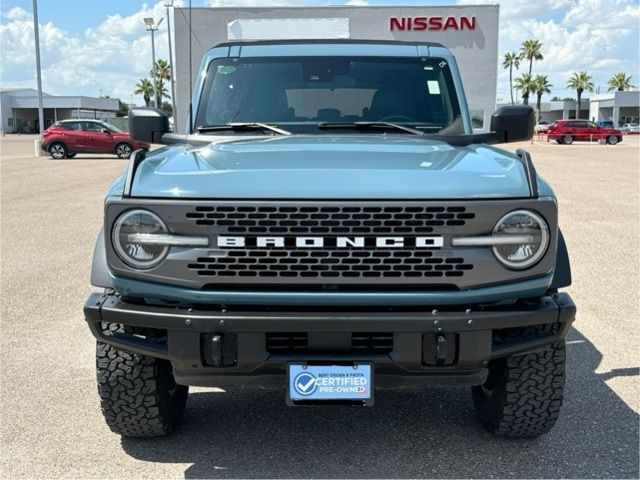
[476, 50]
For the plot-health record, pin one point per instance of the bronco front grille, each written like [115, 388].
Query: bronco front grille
[338, 220]
[328, 263]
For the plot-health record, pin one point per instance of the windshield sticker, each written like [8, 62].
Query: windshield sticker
[434, 87]
[226, 69]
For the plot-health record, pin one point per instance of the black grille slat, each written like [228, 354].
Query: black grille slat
[329, 263]
[337, 220]
[286, 342]
[372, 342]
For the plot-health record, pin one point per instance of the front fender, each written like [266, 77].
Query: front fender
[562, 272]
[99, 269]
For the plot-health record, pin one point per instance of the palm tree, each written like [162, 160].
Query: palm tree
[541, 85]
[144, 87]
[580, 81]
[524, 83]
[531, 50]
[511, 59]
[620, 82]
[161, 72]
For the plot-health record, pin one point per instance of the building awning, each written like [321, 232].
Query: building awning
[71, 102]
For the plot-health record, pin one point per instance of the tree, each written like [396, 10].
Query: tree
[161, 72]
[620, 82]
[541, 85]
[524, 83]
[511, 59]
[123, 109]
[144, 87]
[580, 81]
[167, 108]
[531, 50]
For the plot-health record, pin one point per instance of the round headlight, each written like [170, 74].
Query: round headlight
[535, 239]
[131, 251]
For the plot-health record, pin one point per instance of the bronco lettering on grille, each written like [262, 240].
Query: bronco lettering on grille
[329, 242]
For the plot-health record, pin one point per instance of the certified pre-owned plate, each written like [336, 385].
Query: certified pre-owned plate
[330, 384]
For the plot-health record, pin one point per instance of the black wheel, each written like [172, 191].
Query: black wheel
[57, 150]
[123, 150]
[138, 394]
[567, 139]
[612, 140]
[523, 394]
[71, 155]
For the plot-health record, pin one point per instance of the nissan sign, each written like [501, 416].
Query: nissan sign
[432, 23]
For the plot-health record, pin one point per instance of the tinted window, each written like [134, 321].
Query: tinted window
[92, 127]
[71, 125]
[330, 89]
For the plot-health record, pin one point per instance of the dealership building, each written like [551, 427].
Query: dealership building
[618, 107]
[469, 31]
[19, 109]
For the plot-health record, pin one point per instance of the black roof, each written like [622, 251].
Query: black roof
[352, 41]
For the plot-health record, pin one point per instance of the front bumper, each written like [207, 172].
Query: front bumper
[220, 347]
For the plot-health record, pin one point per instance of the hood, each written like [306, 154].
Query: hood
[330, 167]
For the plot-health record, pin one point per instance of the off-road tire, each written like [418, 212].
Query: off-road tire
[523, 393]
[138, 394]
[612, 140]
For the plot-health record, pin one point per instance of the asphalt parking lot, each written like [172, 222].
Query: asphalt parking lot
[51, 422]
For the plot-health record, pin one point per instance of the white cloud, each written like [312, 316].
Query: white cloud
[604, 14]
[599, 36]
[521, 9]
[357, 3]
[107, 58]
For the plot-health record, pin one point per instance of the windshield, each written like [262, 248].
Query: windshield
[308, 91]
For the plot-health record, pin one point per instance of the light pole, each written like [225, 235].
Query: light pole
[36, 34]
[152, 26]
[169, 4]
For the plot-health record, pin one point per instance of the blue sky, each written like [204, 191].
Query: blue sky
[92, 47]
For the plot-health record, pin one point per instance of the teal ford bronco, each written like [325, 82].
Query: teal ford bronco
[330, 225]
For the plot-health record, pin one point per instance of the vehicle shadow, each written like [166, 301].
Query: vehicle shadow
[427, 434]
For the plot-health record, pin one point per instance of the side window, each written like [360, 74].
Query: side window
[71, 125]
[580, 124]
[591, 125]
[91, 127]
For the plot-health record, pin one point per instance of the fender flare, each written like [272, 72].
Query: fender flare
[562, 272]
[99, 268]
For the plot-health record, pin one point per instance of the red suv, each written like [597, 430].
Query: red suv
[566, 131]
[67, 138]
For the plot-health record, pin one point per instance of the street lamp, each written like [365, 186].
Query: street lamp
[36, 33]
[169, 4]
[152, 26]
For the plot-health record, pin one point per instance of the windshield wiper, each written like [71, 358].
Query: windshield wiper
[243, 126]
[365, 125]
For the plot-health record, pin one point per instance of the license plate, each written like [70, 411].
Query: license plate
[330, 383]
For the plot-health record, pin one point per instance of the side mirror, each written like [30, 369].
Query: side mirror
[106, 130]
[513, 123]
[147, 125]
